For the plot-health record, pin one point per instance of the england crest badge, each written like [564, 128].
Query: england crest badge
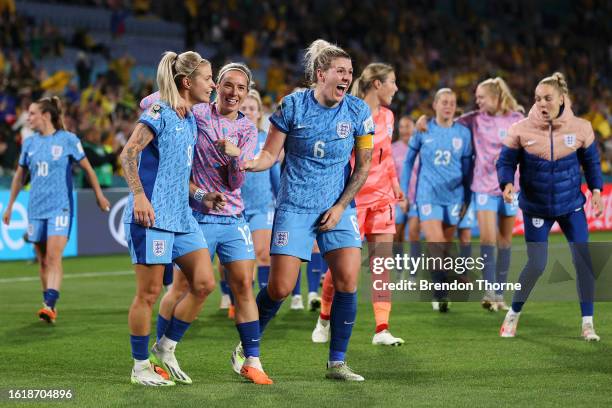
[56, 152]
[343, 129]
[570, 140]
[159, 247]
[281, 238]
[457, 143]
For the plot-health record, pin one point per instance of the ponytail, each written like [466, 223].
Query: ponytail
[170, 72]
[374, 71]
[53, 106]
[506, 102]
[319, 55]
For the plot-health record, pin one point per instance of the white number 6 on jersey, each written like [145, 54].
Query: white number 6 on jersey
[318, 149]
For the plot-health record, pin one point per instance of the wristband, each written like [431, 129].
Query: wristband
[596, 190]
[199, 195]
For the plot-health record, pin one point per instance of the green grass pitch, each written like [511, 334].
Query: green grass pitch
[452, 360]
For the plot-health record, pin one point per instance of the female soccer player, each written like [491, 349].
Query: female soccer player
[376, 199]
[258, 193]
[443, 193]
[226, 139]
[319, 128]
[48, 156]
[551, 145]
[489, 125]
[159, 224]
[497, 110]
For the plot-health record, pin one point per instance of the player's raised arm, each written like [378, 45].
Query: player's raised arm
[141, 137]
[270, 152]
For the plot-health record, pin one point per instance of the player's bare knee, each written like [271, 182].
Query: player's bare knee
[279, 292]
[203, 288]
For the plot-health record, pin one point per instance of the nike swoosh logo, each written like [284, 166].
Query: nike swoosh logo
[30, 154]
[427, 140]
[300, 127]
[345, 322]
[255, 340]
[178, 129]
[530, 142]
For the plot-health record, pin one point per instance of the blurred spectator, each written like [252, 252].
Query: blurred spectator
[103, 158]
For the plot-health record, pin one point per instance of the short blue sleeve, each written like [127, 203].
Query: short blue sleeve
[282, 119]
[152, 117]
[23, 156]
[365, 123]
[75, 148]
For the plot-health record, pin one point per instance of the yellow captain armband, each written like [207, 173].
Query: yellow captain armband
[364, 142]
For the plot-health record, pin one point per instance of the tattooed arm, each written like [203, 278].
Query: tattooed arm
[141, 137]
[363, 158]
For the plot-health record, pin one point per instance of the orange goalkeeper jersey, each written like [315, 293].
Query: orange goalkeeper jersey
[378, 188]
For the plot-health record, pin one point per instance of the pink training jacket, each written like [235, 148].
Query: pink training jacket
[212, 170]
[488, 134]
[399, 151]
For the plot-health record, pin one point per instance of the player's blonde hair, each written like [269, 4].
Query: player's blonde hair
[443, 91]
[319, 55]
[374, 71]
[53, 106]
[172, 69]
[254, 94]
[505, 101]
[556, 80]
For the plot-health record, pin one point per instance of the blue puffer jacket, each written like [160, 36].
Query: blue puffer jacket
[549, 155]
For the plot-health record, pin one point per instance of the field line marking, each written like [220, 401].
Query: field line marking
[67, 276]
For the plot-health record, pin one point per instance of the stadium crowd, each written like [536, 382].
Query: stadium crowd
[449, 43]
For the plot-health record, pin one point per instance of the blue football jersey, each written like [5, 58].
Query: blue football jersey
[257, 188]
[164, 169]
[49, 160]
[317, 149]
[440, 177]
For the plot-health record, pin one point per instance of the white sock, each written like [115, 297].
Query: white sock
[140, 365]
[587, 320]
[511, 312]
[253, 362]
[334, 363]
[166, 344]
[323, 322]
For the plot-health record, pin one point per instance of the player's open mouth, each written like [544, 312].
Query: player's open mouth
[342, 88]
[544, 113]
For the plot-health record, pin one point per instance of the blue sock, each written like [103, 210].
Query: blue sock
[488, 253]
[587, 308]
[51, 297]
[44, 295]
[297, 290]
[162, 326]
[343, 314]
[517, 306]
[249, 336]
[140, 347]
[176, 329]
[465, 250]
[224, 287]
[313, 271]
[262, 276]
[267, 308]
[503, 266]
